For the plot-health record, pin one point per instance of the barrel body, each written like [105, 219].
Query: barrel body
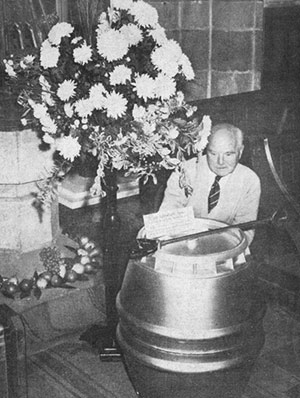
[191, 319]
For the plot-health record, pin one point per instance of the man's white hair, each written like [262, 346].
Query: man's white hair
[238, 134]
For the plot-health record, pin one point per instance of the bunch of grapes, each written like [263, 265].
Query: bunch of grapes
[51, 258]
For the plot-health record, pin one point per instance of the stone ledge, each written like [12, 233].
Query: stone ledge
[58, 312]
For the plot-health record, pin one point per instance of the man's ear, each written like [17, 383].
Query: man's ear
[241, 151]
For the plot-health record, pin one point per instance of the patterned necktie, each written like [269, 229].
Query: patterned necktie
[214, 194]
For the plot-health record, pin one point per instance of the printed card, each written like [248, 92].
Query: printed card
[168, 222]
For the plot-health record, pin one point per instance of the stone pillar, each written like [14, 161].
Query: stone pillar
[22, 232]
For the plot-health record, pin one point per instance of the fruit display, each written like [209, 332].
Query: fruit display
[60, 272]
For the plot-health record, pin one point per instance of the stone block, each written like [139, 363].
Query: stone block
[257, 80]
[223, 83]
[232, 51]
[259, 50]
[21, 227]
[175, 35]
[21, 160]
[197, 89]
[58, 312]
[233, 15]
[259, 15]
[195, 44]
[194, 14]
[167, 13]
[244, 81]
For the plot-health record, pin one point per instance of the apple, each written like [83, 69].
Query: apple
[42, 283]
[46, 275]
[56, 280]
[11, 288]
[25, 285]
[88, 268]
[84, 260]
[78, 268]
[71, 276]
[13, 280]
[84, 240]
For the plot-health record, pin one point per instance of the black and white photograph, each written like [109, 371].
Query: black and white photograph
[149, 198]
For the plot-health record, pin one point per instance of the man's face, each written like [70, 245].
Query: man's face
[223, 153]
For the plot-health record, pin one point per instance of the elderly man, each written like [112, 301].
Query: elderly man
[222, 188]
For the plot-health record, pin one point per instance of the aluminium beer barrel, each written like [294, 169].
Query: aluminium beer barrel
[191, 318]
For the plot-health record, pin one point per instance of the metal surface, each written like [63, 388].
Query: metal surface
[194, 329]
[147, 246]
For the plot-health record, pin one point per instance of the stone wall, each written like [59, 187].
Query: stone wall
[223, 39]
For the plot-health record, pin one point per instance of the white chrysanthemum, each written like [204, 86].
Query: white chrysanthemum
[165, 86]
[180, 98]
[84, 107]
[164, 112]
[58, 31]
[48, 139]
[66, 90]
[112, 45]
[44, 83]
[83, 54]
[144, 86]
[158, 34]
[164, 151]
[48, 125]
[121, 4]
[149, 127]
[49, 55]
[28, 59]
[103, 25]
[68, 108]
[97, 95]
[132, 34]
[119, 75]
[163, 63]
[138, 112]
[68, 147]
[115, 104]
[173, 132]
[186, 67]
[166, 58]
[144, 13]
[76, 39]
[47, 98]
[39, 110]
[9, 69]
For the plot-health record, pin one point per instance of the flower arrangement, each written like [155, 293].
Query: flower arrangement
[118, 99]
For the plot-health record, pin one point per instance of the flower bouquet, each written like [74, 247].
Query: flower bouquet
[118, 99]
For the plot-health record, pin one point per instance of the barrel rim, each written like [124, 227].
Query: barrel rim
[177, 334]
[184, 367]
